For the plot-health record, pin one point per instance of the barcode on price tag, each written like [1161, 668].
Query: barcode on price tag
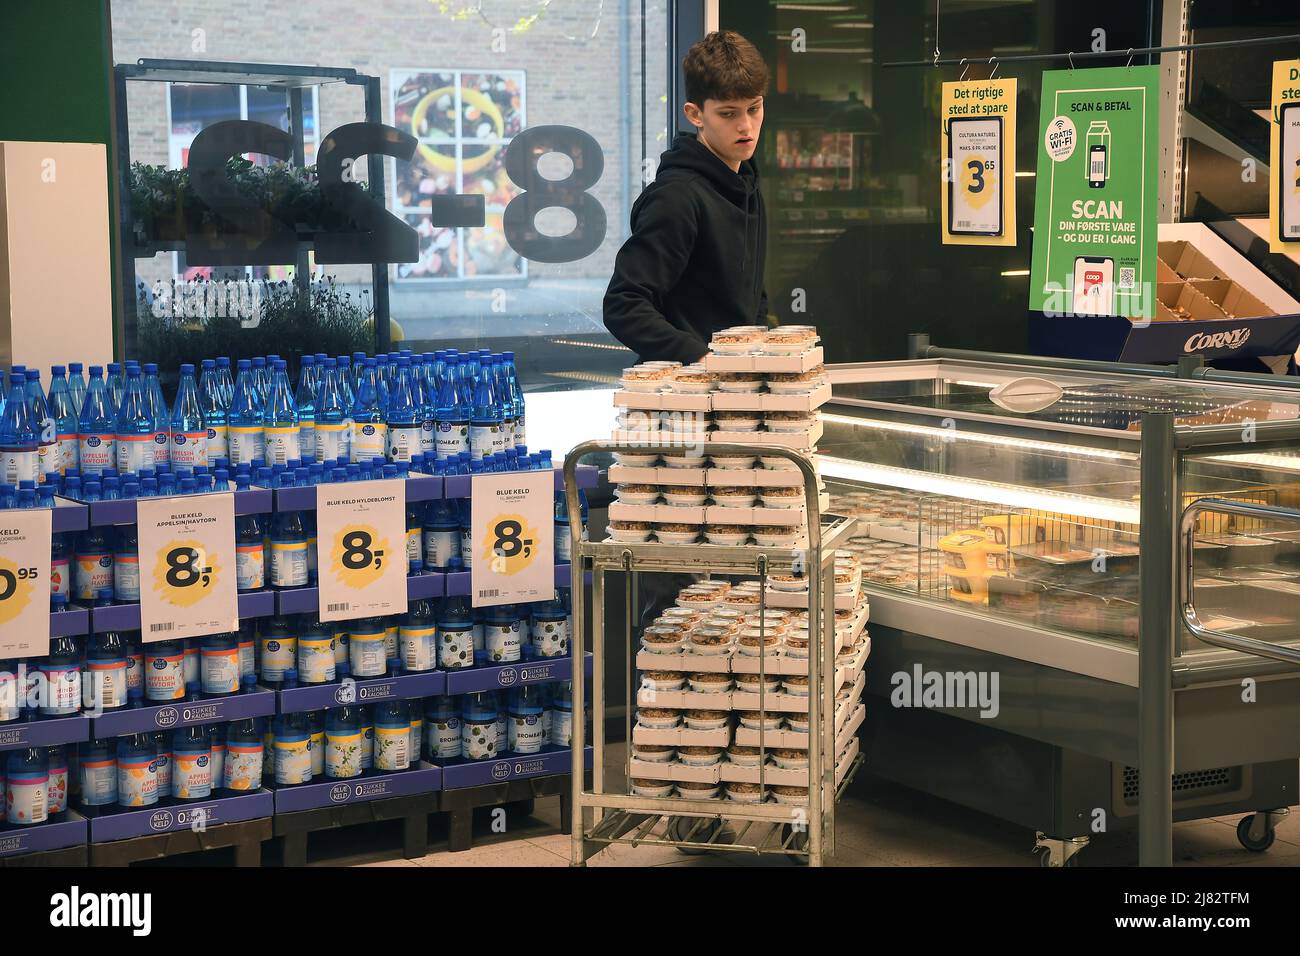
[339, 606]
[492, 592]
[158, 628]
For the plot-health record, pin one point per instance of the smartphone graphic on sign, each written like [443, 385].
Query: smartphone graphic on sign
[1288, 201]
[1094, 285]
[1096, 166]
[975, 183]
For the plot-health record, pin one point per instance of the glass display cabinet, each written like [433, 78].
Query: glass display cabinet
[1079, 576]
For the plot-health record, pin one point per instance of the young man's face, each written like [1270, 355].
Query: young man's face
[729, 128]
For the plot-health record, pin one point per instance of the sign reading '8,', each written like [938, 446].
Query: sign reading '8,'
[184, 573]
[359, 555]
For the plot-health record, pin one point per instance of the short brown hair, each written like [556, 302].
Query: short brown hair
[723, 66]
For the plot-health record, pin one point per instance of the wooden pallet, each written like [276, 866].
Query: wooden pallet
[295, 829]
[245, 836]
[459, 805]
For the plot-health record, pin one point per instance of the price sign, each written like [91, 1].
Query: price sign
[361, 530]
[187, 566]
[25, 583]
[512, 520]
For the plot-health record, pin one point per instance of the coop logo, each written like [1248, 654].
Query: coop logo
[1218, 340]
[76, 909]
[507, 676]
[340, 793]
[162, 820]
[950, 690]
[166, 717]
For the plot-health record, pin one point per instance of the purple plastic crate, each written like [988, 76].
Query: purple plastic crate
[479, 773]
[44, 733]
[69, 623]
[418, 488]
[367, 691]
[126, 617]
[250, 502]
[254, 501]
[458, 486]
[307, 600]
[424, 488]
[184, 713]
[431, 584]
[186, 816]
[69, 515]
[424, 778]
[540, 670]
[44, 836]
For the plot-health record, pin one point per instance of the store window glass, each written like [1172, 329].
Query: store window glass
[464, 80]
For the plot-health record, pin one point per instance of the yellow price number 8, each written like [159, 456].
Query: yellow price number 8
[508, 542]
[185, 568]
[358, 556]
[358, 553]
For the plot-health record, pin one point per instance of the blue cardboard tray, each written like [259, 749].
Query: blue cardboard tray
[421, 778]
[69, 623]
[44, 732]
[15, 841]
[366, 691]
[251, 502]
[478, 773]
[458, 486]
[127, 824]
[430, 584]
[1113, 338]
[126, 617]
[185, 713]
[68, 515]
[418, 488]
[541, 670]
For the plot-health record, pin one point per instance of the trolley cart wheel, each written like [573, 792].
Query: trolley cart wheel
[1250, 843]
[679, 827]
[1045, 860]
[797, 841]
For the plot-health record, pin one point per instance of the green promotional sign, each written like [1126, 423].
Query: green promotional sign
[1095, 197]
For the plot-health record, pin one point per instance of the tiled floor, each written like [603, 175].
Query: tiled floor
[879, 824]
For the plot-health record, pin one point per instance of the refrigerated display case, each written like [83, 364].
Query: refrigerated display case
[1069, 567]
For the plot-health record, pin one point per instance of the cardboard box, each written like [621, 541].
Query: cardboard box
[709, 514]
[683, 699]
[672, 770]
[1188, 261]
[662, 401]
[745, 737]
[767, 363]
[710, 663]
[1232, 298]
[1165, 273]
[682, 737]
[770, 402]
[773, 777]
[710, 477]
[1183, 295]
[796, 440]
[904, 532]
[799, 599]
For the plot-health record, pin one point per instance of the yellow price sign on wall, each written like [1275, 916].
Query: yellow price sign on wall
[187, 555]
[363, 564]
[25, 582]
[1284, 159]
[978, 201]
[513, 528]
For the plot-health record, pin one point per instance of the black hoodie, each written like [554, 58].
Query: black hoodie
[694, 261]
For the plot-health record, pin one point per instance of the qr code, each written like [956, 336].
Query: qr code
[1127, 278]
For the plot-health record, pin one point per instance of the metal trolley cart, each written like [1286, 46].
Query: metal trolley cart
[602, 817]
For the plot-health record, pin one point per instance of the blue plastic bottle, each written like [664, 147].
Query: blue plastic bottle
[279, 649]
[392, 736]
[77, 386]
[134, 666]
[316, 663]
[217, 741]
[417, 637]
[19, 454]
[485, 429]
[160, 414]
[368, 418]
[451, 417]
[27, 780]
[94, 564]
[442, 729]
[262, 376]
[103, 675]
[126, 564]
[244, 755]
[332, 422]
[405, 414]
[115, 385]
[549, 632]
[137, 771]
[163, 744]
[47, 432]
[427, 396]
[280, 419]
[292, 739]
[97, 770]
[225, 380]
[478, 736]
[305, 400]
[516, 395]
[135, 427]
[189, 433]
[63, 409]
[367, 648]
[192, 759]
[524, 728]
[250, 567]
[60, 676]
[164, 671]
[219, 665]
[503, 635]
[213, 409]
[343, 742]
[247, 643]
[288, 551]
[455, 634]
[244, 432]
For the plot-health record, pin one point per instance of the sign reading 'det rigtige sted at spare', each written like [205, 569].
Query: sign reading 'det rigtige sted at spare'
[512, 524]
[1095, 193]
[361, 549]
[187, 566]
[1284, 159]
[979, 163]
[25, 582]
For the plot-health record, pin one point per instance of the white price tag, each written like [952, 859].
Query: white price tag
[187, 566]
[361, 530]
[25, 582]
[513, 531]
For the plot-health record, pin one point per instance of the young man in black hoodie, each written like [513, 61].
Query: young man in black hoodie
[694, 261]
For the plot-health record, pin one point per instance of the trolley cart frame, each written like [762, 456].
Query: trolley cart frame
[601, 818]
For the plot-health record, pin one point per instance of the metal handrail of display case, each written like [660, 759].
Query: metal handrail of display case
[695, 825]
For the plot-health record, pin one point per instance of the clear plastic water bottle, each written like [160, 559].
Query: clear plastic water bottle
[191, 759]
[27, 780]
[369, 418]
[189, 433]
[160, 413]
[478, 734]
[485, 430]
[97, 769]
[63, 409]
[343, 742]
[247, 443]
[135, 427]
[418, 637]
[214, 407]
[262, 376]
[405, 414]
[451, 416]
[427, 395]
[76, 385]
[244, 755]
[524, 728]
[48, 460]
[19, 455]
[116, 385]
[96, 427]
[305, 400]
[225, 380]
[516, 395]
[280, 419]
